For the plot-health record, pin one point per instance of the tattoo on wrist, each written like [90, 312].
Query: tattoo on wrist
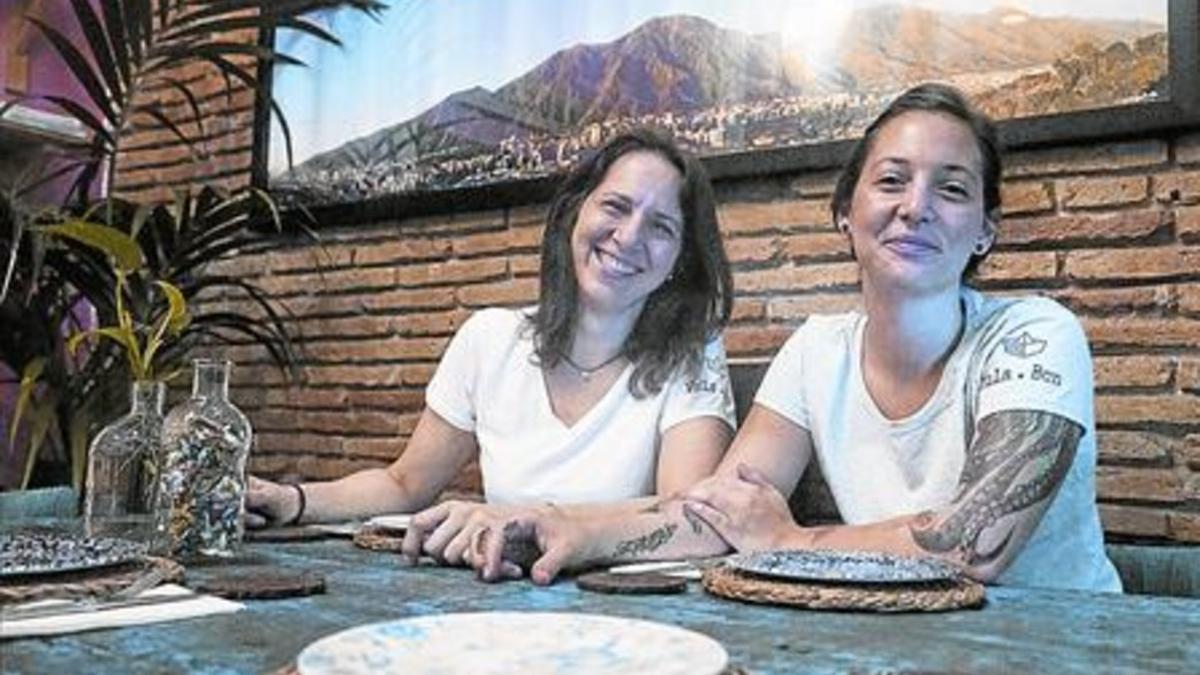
[1018, 459]
[693, 520]
[645, 543]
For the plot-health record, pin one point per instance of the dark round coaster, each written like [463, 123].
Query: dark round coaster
[281, 534]
[259, 584]
[648, 583]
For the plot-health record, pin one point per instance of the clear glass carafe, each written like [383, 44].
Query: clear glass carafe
[202, 484]
[119, 497]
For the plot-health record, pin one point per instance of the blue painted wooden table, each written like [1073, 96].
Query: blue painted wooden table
[1019, 631]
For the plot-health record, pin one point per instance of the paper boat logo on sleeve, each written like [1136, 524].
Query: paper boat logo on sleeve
[1023, 345]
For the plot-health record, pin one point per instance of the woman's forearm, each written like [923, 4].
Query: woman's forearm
[361, 494]
[660, 531]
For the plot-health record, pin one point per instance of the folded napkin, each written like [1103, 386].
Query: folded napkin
[164, 603]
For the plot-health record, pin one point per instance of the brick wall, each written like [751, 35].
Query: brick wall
[1112, 230]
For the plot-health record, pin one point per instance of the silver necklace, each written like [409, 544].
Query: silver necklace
[585, 374]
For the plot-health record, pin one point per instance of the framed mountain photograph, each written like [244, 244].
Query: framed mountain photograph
[443, 105]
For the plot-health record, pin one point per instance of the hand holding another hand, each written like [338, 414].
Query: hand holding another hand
[746, 511]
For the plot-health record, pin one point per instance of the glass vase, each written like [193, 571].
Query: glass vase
[202, 483]
[119, 497]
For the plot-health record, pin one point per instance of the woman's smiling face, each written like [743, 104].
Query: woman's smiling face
[628, 233]
[917, 214]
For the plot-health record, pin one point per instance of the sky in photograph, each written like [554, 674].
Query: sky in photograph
[421, 51]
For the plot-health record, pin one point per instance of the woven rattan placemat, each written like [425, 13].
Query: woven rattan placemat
[86, 583]
[938, 596]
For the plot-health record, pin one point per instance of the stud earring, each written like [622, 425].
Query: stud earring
[981, 247]
[843, 225]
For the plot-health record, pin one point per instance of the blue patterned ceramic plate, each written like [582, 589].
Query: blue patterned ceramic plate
[843, 566]
[491, 643]
[50, 553]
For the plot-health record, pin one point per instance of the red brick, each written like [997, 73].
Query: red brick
[1187, 222]
[508, 293]
[1190, 454]
[389, 349]
[358, 279]
[374, 448]
[817, 246]
[1189, 298]
[395, 400]
[1087, 158]
[1148, 485]
[1133, 520]
[272, 466]
[1114, 372]
[431, 323]
[1142, 332]
[450, 272]
[1025, 197]
[406, 299]
[1132, 263]
[748, 309]
[340, 422]
[1184, 526]
[798, 278]
[752, 340]
[418, 374]
[347, 327]
[799, 307]
[403, 250]
[751, 249]
[1178, 187]
[528, 216]
[497, 242]
[306, 397]
[1189, 375]
[748, 217]
[525, 265]
[1124, 225]
[329, 468]
[1076, 193]
[1142, 446]
[1025, 265]
[369, 376]
[292, 443]
[1112, 300]
[407, 423]
[241, 266]
[1147, 409]
[1187, 149]
[455, 224]
[310, 258]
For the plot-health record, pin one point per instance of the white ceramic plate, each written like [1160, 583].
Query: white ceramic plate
[50, 553]
[843, 566]
[392, 521]
[494, 643]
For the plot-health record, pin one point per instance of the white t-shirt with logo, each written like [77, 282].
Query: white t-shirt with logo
[1025, 354]
[487, 383]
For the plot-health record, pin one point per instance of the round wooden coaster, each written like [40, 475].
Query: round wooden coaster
[378, 538]
[259, 584]
[87, 583]
[648, 583]
[937, 596]
[283, 534]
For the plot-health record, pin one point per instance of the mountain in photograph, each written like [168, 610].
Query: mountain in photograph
[720, 89]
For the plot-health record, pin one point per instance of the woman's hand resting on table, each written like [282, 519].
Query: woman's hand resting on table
[269, 503]
[449, 531]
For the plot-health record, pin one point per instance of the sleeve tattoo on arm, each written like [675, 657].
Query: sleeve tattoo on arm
[1018, 458]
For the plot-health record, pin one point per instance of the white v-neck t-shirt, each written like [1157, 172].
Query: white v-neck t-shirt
[487, 383]
[1024, 354]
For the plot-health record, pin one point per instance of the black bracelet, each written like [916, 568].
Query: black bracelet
[303, 503]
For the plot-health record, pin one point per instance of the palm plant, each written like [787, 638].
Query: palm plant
[129, 51]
